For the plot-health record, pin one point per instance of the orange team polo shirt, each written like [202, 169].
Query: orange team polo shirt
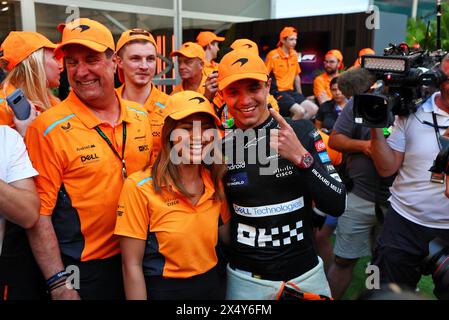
[180, 237]
[201, 89]
[285, 68]
[210, 67]
[321, 84]
[80, 177]
[155, 106]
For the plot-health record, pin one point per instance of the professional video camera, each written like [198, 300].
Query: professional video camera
[407, 78]
[437, 264]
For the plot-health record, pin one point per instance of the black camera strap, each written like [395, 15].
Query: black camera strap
[437, 131]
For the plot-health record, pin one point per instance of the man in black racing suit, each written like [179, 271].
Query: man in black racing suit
[276, 171]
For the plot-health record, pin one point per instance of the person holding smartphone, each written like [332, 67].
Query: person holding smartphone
[32, 66]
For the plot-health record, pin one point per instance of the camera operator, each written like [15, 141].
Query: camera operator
[418, 210]
[368, 192]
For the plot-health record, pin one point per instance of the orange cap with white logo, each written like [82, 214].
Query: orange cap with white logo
[240, 64]
[18, 45]
[86, 32]
[185, 103]
[190, 50]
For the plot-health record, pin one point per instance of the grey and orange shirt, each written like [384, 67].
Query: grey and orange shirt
[80, 176]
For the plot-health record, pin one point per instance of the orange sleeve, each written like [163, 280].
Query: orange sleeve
[298, 67]
[269, 63]
[225, 214]
[335, 156]
[319, 86]
[273, 102]
[133, 217]
[46, 160]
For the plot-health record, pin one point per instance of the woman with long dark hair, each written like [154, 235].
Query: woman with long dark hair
[169, 214]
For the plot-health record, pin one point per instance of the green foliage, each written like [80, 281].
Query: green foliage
[417, 28]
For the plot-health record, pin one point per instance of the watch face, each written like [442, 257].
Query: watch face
[308, 160]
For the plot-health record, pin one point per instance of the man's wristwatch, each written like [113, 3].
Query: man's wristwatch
[306, 161]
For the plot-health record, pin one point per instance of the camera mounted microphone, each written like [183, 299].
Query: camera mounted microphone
[355, 81]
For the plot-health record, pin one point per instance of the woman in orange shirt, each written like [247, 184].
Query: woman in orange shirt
[169, 215]
[31, 65]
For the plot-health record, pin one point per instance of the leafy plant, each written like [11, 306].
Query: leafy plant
[417, 29]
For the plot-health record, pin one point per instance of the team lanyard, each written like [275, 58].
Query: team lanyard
[122, 158]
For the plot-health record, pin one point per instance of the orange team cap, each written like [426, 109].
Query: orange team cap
[190, 50]
[245, 44]
[240, 64]
[134, 34]
[337, 54]
[286, 32]
[18, 45]
[206, 37]
[86, 32]
[130, 35]
[185, 103]
[366, 51]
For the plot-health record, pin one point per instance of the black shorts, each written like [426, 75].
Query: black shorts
[401, 249]
[206, 286]
[286, 99]
[99, 279]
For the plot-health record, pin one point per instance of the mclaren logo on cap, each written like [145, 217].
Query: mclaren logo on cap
[82, 27]
[186, 45]
[248, 45]
[200, 100]
[241, 60]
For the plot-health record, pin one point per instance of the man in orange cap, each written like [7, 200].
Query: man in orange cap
[283, 63]
[83, 148]
[363, 52]
[220, 106]
[333, 63]
[270, 206]
[209, 41]
[136, 59]
[190, 66]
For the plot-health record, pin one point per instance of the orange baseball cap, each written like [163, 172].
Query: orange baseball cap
[337, 54]
[245, 44]
[366, 51]
[206, 37]
[86, 32]
[18, 45]
[130, 35]
[135, 34]
[286, 32]
[240, 64]
[185, 103]
[190, 50]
